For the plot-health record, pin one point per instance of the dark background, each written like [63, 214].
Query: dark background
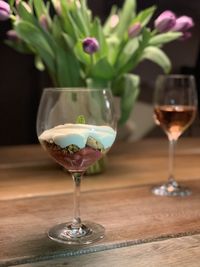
[21, 84]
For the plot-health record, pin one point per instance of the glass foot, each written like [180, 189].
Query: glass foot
[88, 233]
[171, 189]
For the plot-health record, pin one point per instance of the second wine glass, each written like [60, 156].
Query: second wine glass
[175, 105]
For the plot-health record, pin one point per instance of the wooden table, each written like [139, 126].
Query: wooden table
[141, 229]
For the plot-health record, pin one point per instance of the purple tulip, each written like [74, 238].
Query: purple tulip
[165, 22]
[4, 10]
[183, 24]
[90, 45]
[134, 30]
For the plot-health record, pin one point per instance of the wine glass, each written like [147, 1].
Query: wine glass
[76, 127]
[175, 105]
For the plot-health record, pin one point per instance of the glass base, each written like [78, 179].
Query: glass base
[171, 189]
[88, 233]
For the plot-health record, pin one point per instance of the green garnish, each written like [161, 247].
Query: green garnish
[71, 149]
[80, 119]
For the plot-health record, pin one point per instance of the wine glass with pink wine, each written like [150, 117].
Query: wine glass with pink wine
[76, 127]
[175, 106]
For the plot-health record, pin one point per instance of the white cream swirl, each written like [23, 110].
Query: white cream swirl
[77, 134]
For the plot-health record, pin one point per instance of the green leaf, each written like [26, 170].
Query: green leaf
[137, 55]
[64, 6]
[157, 56]
[81, 55]
[76, 30]
[11, 3]
[79, 20]
[127, 52]
[146, 36]
[97, 32]
[128, 89]
[114, 44]
[67, 68]
[80, 119]
[86, 13]
[19, 46]
[39, 7]
[64, 18]
[145, 16]
[102, 70]
[97, 83]
[56, 30]
[68, 40]
[164, 38]
[127, 14]
[32, 35]
[24, 13]
[39, 64]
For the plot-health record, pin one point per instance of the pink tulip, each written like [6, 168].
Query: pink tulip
[4, 10]
[165, 22]
[134, 30]
[183, 24]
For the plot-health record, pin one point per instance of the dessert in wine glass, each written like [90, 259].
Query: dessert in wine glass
[175, 105]
[76, 127]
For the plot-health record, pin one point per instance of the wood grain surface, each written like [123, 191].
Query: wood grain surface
[35, 194]
[177, 252]
[130, 215]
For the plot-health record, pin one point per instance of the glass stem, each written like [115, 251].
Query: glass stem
[77, 177]
[172, 144]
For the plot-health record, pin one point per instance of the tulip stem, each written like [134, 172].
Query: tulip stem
[92, 60]
[90, 66]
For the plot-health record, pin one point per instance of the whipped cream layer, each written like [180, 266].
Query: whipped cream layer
[77, 134]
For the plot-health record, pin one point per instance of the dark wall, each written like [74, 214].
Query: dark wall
[21, 84]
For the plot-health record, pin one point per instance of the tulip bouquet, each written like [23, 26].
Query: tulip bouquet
[78, 50]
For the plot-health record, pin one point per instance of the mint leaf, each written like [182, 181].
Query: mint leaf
[80, 119]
